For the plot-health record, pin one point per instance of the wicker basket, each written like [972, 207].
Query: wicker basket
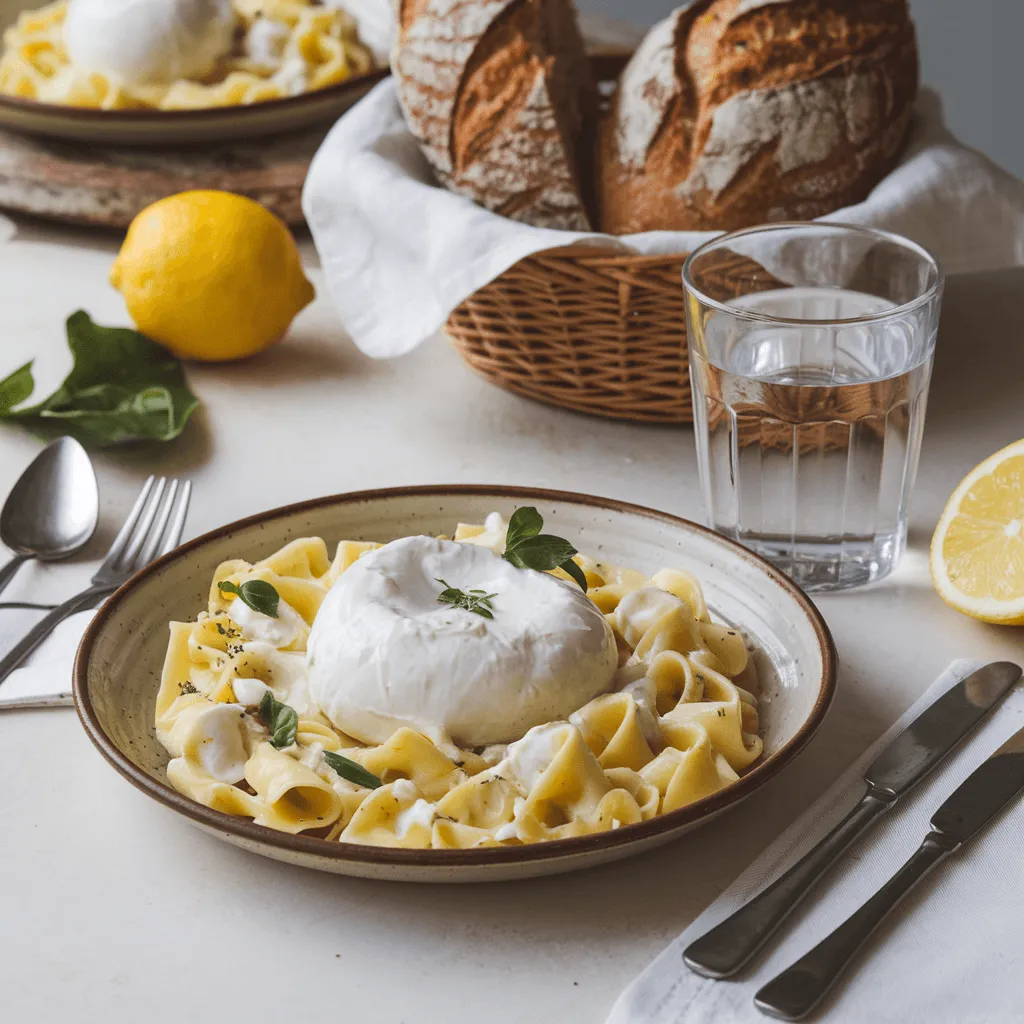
[593, 330]
[596, 330]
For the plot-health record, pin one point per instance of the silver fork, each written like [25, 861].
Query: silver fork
[153, 527]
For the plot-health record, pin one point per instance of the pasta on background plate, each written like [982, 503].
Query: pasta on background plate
[282, 48]
[235, 713]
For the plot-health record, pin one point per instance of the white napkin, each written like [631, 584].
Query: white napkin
[953, 949]
[400, 253]
[45, 678]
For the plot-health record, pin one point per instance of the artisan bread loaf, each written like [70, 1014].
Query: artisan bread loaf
[499, 95]
[734, 112]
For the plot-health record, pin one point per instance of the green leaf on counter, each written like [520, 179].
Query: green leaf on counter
[280, 719]
[16, 388]
[527, 548]
[352, 770]
[259, 595]
[122, 387]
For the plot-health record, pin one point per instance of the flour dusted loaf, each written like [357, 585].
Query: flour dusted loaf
[499, 95]
[733, 112]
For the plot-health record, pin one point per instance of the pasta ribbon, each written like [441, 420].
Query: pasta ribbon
[394, 815]
[680, 724]
[410, 755]
[295, 798]
[688, 770]
[726, 713]
[612, 729]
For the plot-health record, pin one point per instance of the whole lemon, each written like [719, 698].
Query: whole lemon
[210, 275]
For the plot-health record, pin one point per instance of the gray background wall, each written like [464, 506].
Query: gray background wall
[970, 52]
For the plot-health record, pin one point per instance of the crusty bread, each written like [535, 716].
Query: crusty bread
[734, 112]
[499, 95]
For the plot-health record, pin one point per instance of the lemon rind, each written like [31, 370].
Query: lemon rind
[988, 609]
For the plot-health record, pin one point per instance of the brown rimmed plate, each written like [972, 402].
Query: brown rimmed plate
[185, 127]
[175, 127]
[117, 670]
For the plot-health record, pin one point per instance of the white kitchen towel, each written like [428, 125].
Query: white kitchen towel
[950, 954]
[400, 252]
[45, 678]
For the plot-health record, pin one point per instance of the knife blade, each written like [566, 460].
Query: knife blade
[727, 947]
[939, 728]
[795, 992]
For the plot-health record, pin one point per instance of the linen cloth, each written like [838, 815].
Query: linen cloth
[400, 252]
[951, 952]
[45, 678]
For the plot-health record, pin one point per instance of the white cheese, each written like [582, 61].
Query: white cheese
[149, 41]
[278, 631]
[249, 691]
[385, 653]
[218, 735]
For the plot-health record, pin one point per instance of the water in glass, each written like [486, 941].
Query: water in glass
[809, 433]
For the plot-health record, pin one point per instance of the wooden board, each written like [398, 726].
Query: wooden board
[105, 185]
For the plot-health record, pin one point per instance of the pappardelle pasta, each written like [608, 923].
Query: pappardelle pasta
[256, 726]
[275, 48]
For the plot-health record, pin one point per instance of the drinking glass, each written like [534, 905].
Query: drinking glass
[810, 351]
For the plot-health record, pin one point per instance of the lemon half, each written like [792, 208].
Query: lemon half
[211, 275]
[977, 553]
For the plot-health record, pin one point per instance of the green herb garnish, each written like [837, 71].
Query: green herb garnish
[476, 601]
[259, 595]
[352, 770]
[527, 548]
[122, 387]
[280, 719]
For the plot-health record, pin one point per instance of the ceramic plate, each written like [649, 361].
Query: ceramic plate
[117, 671]
[175, 127]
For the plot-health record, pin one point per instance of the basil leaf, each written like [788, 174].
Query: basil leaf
[16, 388]
[575, 572]
[542, 552]
[527, 548]
[476, 601]
[351, 770]
[259, 595]
[524, 522]
[122, 387]
[280, 719]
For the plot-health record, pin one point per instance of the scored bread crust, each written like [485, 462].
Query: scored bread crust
[733, 112]
[499, 96]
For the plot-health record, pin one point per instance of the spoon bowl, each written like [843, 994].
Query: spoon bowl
[53, 509]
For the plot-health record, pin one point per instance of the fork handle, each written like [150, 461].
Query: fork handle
[42, 629]
[9, 571]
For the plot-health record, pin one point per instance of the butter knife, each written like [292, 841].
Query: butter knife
[986, 791]
[728, 946]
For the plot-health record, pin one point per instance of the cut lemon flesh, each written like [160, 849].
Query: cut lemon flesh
[977, 553]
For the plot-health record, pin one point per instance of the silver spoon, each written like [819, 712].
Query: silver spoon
[53, 509]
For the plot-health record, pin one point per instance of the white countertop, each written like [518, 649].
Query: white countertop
[114, 909]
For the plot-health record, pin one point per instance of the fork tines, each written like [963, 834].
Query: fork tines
[153, 527]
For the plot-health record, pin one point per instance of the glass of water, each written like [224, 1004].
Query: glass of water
[810, 352]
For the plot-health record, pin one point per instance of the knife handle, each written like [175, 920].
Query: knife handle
[722, 951]
[792, 994]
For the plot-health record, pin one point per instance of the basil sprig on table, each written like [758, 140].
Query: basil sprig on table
[122, 387]
[476, 601]
[527, 548]
[259, 595]
[280, 719]
[352, 770]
